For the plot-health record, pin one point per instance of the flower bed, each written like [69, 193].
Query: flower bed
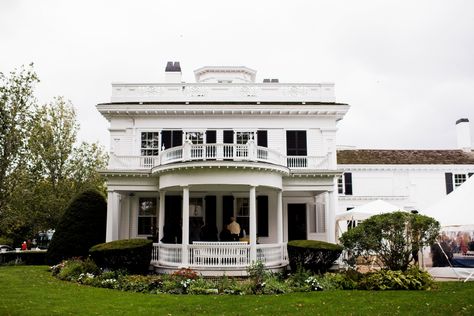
[187, 281]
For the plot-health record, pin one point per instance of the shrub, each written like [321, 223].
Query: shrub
[81, 227]
[71, 270]
[314, 255]
[411, 279]
[133, 255]
[394, 237]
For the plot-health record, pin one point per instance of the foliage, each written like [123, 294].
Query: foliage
[393, 237]
[81, 227]
[317, 256]
[133, 255]
[411, 279]
[71, 270]
[257, 274]
[24, 257]
[40, 167]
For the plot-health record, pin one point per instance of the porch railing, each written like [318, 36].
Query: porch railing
[232, 152]
[218, 255]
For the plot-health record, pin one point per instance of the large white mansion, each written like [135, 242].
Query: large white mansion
[186, 157]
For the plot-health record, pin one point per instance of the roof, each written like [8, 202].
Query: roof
[404, 157]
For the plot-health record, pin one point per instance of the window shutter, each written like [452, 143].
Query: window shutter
[228, 137]
[348, 183]
[177, 138]
[227, 209]
[449, 182]
[262, 138]
[262, 216]
[210, 137]
[470, 174]
[166, 139]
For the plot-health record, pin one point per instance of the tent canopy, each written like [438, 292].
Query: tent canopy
[365, 211]
[456, 208]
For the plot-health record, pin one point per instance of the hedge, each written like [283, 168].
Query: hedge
[133, 255]
[314, 255]
[81, 227]
[30, 257]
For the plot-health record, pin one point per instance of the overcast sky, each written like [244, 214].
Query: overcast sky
[405, 67]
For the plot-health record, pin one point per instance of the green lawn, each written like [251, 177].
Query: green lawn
[31, 290]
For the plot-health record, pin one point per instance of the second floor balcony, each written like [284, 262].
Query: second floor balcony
[249, 152]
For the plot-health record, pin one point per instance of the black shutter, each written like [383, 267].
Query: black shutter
[348, 183]
[211, 210]
[262, 138]
[301, 141]
[177, 138]
[210, 137]
[470, 174]
[227, 209]
[166, 139]
[262, 216]
[448, 176]
[228, 137]
[296, 143]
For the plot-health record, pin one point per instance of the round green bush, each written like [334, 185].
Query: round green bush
[314, 255]
[133, 255]
[82, 226]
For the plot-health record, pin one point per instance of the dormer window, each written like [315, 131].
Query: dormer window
[224, 81]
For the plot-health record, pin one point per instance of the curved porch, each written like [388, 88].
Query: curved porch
[213, 258]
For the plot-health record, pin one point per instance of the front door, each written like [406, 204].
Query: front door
[296, 221]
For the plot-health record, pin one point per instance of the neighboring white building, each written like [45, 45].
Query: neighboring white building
[188, 154]
[410, 179]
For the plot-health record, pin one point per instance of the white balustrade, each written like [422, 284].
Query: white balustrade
[235, 152]
[218, 254]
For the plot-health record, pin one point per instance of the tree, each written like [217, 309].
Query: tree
[81, 227]
[395, 238]
[16, 106]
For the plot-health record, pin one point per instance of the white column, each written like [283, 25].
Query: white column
[279, 217]
[161, 216]
[331, 206]
[185, 227]
[113, 220]
[253, 224]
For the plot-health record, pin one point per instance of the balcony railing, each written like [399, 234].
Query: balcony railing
[220, 152]
[218, 255]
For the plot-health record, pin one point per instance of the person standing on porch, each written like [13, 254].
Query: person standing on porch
[234, 229]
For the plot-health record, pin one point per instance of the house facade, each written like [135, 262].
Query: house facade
[186, 157]
[410, 179]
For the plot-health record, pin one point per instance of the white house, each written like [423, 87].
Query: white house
[410, 179]
[185, 157]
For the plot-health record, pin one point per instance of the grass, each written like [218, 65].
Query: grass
[31, 290]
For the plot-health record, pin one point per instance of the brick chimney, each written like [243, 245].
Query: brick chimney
[173, 72]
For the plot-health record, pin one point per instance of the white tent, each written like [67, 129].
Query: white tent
[367, 210]
[456, 208]
[363, 212]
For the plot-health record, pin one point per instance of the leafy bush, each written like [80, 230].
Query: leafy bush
[393, 237]
[81, 227]
[24, 257]
[133, 255]
[72, 269]
[314, 255]
[411, 279]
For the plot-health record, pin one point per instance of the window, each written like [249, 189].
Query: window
[243, 137]
[195, 137]
[150, 144]
[296, 143]
[171, 139]
[344, 184]
[262, 216]
[455, 180]
[243, 214]
[459, 179]
[147, 216]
